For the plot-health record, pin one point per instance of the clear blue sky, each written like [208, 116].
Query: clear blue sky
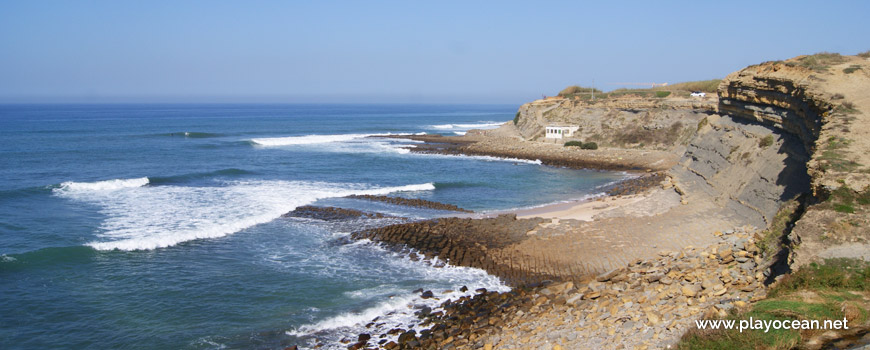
[397, 51]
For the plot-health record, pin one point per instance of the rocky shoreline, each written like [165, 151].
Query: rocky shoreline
[547, 153]
[647, 304]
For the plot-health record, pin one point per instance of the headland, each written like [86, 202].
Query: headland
[732, 193]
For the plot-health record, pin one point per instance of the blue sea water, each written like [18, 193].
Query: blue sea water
[160, 226]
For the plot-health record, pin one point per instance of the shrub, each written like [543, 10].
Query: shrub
[589, 145]
[865, 54]
[574, 144]
[517, 118]
[766, 141]
[662, 94]
[851, 69]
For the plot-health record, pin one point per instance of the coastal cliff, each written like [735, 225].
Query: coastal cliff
[824, 106]
[769, 175]
[777, 132]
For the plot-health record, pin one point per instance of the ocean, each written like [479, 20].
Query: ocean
[132, 226]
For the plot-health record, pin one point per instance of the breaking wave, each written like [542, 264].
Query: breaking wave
[150, 217]
[106, 185]
[481, 125]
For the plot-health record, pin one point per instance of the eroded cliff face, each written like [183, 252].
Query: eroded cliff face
[825, 109]
[748, 169]
[791, 99]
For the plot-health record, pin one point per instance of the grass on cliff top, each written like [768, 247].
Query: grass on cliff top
[832, 158]
[829, 291]
[847, 200]
[819, 62]
[708, 86]
[678, 90]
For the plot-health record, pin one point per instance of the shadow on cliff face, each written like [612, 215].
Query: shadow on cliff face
[794, 183]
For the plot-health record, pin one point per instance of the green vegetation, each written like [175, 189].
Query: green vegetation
[844, 208]
[662, 94]
[517, 118]
[766, 141]
[710, 86]
[579, 91]
[847, 200]
[581, 144]
[865, 54]
[770, 240]
[831, 157]
[834, 275]
[831, 291]
[851, 69]
[819, 62]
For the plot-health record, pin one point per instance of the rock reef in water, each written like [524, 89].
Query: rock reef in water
[411, 202]
[330, 213]
[477, 243]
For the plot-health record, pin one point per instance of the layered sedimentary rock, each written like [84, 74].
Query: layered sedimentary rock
[825, 108]
[748, 169]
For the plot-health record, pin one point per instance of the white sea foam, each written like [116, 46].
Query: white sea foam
[142, 218]
[483, 158]
[480, 125]
[308, 139]
[343, 143]
[106, 185]
[397, 306]
[460, 132]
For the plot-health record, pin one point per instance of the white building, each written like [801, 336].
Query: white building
[560, 132]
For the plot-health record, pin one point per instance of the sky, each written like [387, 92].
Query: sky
[395, 51]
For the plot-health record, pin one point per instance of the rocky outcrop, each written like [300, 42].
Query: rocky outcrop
[652, 124]
[411, 202]
[330, 213]
[477, 243]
